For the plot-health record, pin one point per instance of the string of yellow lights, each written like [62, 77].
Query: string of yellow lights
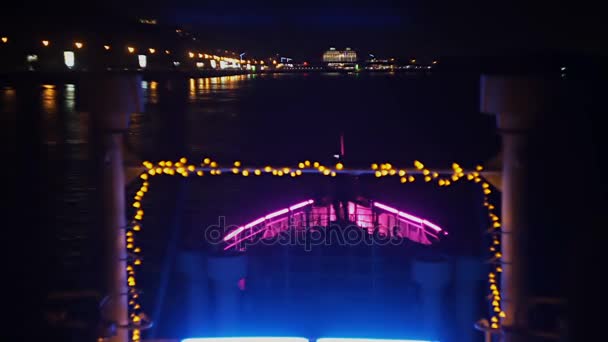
[131, 49]
[443, 178]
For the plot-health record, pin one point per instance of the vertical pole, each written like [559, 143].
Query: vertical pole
[114, 232]
[111, 99]
[519, 103]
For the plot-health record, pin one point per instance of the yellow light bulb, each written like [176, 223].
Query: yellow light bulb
[152, 172]
[298, 172]
[191, 168]
[498, 255]
[418, 165]
[206, 161]
[292, 174]
[378, 174]
[427, 178]
[374, 166]
[237, 163]
[392, 172]
[268, 169]
[136, 204]
[286, 170]
[326, 172]
[213, 164]
[384, 172]
[107, 47]
[307, 162]
[183, 160]
[494, 319]
[301, 165]
[333, 174]
[199, 173]
[502, 314]
[479, 168]
[498, 269]
[143, 176]
[245, 173]
[339, 166]
[411, 178]
[454, 178]
[494, 326]
[425, 172]
[401, 173]
[257, 172]
[235, 170]
[403, 180]
[315, 164]
[435, 174]
[130, 49]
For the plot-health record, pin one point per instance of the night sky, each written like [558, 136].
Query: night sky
[304, 28]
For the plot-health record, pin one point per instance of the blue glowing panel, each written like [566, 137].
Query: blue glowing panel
[246, 339]
[343, 339]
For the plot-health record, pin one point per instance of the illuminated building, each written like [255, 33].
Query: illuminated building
[340, 59]
[336, 56]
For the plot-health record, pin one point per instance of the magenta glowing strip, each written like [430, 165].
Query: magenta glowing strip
[386, 207]
[300, 205]
[432, 225]
[234, 233]
[244, 238]
[408, 216]
[246, 339]
[267, 217]
[276, 213]
[254, 223]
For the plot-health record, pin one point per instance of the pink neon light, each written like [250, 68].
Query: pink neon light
[276, 213]
[267, 217]
[233, 233]
[300, 205]
[254, 223]
[432, 225]
[408, 216]
[386, 207]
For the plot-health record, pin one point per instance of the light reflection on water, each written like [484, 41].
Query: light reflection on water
[49, 112]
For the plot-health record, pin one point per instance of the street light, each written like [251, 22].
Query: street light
[152, 51]
[5, 40]
[78, 45]
[107, 47]
[45, 43]
[130, 49]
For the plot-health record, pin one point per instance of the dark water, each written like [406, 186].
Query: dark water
[258, 119]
